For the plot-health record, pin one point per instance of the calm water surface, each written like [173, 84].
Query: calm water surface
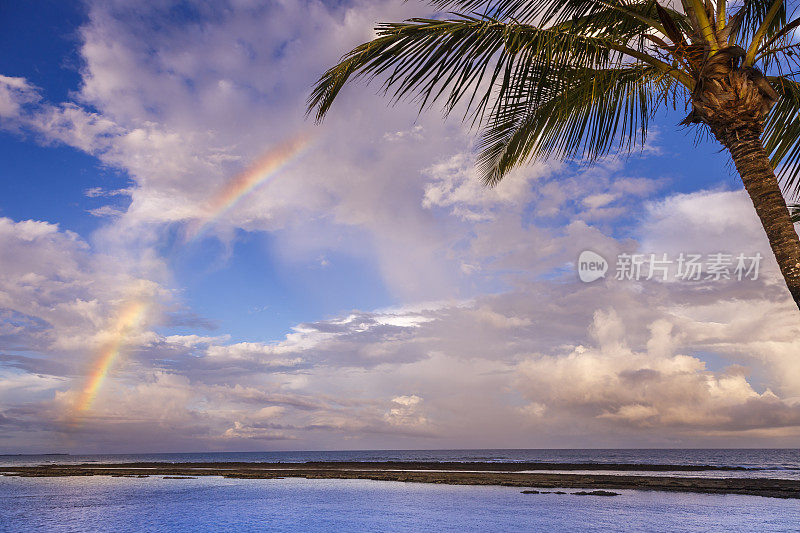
[299, 505]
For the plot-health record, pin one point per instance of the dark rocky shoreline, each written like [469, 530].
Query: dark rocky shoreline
[472, 473]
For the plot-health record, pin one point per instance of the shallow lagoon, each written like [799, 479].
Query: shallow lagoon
[295, 505]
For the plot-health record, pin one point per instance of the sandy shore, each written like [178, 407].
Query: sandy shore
[507, 474]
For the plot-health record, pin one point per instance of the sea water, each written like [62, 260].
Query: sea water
[101, 503]
[775, 463]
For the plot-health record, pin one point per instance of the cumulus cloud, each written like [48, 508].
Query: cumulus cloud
[56, 290]
[653, 388]
[406, 411]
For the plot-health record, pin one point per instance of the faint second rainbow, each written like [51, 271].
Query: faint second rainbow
[128, 320]
[261, 171]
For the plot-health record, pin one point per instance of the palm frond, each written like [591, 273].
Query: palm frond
[780, 54]
[426, 59]
[752, 15]
[783, 32]
[545, 13]
[584, 112]
[782, 133]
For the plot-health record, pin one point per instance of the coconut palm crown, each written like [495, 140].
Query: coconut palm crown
[579, 78]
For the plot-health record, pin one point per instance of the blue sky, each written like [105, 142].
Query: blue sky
[43, 38]
[370, 294]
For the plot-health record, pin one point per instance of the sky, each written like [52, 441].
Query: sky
[188, 263]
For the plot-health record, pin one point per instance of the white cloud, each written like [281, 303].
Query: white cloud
[406, 411]
[657, 387]
[52, 280]
[14, 94]
[416, 134]
[454, 184]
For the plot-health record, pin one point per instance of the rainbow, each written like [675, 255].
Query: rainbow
[261, 171]
[127, 321]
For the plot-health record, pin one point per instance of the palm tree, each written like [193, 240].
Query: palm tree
[578, 78]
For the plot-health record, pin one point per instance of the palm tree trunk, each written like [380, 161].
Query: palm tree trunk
[759, 179]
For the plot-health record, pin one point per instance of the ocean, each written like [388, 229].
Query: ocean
[101, 503]
[777, 463]
[300, 505]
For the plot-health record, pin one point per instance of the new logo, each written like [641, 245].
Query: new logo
[591, 266]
